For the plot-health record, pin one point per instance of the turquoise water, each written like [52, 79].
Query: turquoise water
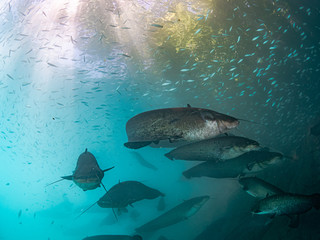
[73, 73]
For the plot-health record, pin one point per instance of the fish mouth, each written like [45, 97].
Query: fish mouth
[232, 124]
[87, 183]
[254, 145]
[87, 180]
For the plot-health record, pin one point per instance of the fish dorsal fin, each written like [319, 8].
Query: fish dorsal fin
[188, 105]
[86, 150]
[107, 169]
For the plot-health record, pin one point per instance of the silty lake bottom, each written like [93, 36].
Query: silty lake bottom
[74, 72]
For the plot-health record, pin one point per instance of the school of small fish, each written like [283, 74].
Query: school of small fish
[73, 71]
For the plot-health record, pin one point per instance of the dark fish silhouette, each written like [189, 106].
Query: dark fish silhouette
[142, 161]
[176, 124]
[214, 149]
[126, 193]
[251, 162]
[258, 188]
[88, 174]
[114, 237]
[177, 214]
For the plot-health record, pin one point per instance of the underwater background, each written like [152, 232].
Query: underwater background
[74, 72]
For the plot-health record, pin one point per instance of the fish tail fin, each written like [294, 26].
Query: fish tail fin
[168, 155]
[137, 145]
[316, 201]
[107, 169]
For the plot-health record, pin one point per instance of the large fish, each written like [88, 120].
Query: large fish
[287, 204]
[258, 188]
[88, 174]
[214, 149]
[175, 124]
[114, 237]
[250, 162]
[177, 214]
[126, 193]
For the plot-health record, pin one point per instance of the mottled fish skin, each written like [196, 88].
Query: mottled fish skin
[187, 124]
[125, 193]
[258, 188]
[177, 214]
[262, 160]
[227, 169]
[250, 162]
[114, 237]
[214, 149]
[287, 204]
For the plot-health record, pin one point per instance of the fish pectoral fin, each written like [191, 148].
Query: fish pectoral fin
[168, 155]
[272, 216]
[137, 145]
[119, 212]
[188, 105]
[70, 177]
[107, 169]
